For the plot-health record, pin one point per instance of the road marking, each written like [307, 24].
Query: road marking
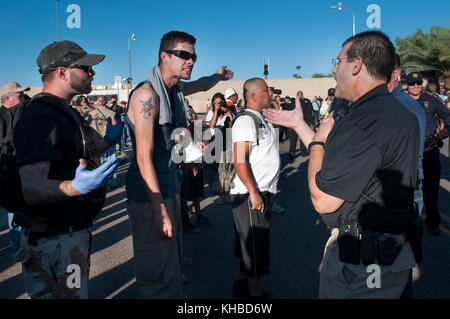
[118, 291]
[110, 216]
[5, 248]
[111, 224]
[10, 272]
[114, 204]
[116, 192]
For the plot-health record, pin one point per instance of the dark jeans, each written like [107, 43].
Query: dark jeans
[432, 177]
[293, 138]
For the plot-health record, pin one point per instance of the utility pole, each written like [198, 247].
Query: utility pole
[57, 21]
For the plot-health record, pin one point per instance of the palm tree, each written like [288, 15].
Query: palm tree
[297, 75]
[428, 53]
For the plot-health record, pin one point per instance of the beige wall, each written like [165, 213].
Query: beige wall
[310, 88]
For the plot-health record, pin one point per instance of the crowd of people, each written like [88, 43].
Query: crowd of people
[372, 143]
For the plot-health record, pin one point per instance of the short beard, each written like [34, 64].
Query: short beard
[78, 85]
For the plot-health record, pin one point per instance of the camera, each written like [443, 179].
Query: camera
[223, 104]
[277, 91]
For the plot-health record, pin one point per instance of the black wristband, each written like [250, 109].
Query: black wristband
[316, 143]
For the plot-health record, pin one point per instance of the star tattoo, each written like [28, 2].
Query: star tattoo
[147, 107]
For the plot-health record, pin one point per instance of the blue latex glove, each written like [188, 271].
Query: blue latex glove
[86, 181]
[114, 132]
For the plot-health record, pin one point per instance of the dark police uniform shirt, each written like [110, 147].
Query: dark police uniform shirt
[372, 149]
[47, 131]
[434, 110]
[307, 108]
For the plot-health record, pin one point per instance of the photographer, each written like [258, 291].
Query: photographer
[221, 119]
[362, 174]
[222, 115]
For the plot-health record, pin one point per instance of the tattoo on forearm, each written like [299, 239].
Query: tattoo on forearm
[147, 107]
[37, 188]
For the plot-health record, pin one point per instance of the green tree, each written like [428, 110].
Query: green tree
[321, 75]
[428, 53]
[297, 75]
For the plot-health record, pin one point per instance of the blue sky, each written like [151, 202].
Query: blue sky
[235, 33]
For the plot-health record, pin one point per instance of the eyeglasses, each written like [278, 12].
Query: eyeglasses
[183, 54]
[86, 68]
[415, 83]
[336, 62]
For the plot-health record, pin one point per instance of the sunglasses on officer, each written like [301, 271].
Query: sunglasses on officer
[183, 54]
[415, 83]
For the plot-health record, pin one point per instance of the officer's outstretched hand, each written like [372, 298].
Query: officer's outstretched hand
[86, 181]
[114, 131]
[285, 118]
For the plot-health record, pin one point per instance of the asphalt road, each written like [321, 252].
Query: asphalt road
[297, 241]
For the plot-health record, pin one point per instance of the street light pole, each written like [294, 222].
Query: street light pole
[57, 20]
[340, 7]
[132, 38]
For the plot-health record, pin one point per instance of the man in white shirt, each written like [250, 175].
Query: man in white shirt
[257, 162]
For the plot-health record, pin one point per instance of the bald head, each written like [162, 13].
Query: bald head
[256, 94]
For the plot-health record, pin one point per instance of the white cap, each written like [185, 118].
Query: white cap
[230, 92]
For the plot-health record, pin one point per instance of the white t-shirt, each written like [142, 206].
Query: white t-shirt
[264, 158]
[220, 122]
[209, 116]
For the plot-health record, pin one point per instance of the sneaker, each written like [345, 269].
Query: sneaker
[276, 209]
[189, 227]
[187, 262]
[203, 220]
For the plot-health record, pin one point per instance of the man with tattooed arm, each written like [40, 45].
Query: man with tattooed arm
[157, 108]
[62, 179]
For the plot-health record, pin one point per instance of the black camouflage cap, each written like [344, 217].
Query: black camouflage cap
[64, 53]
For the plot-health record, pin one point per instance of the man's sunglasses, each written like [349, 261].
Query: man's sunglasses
[86, 68]
[183, 54]
[414, 83]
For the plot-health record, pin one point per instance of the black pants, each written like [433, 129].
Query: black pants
[252, 235]
[432, 177]
[283, 133]
[293, 138]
